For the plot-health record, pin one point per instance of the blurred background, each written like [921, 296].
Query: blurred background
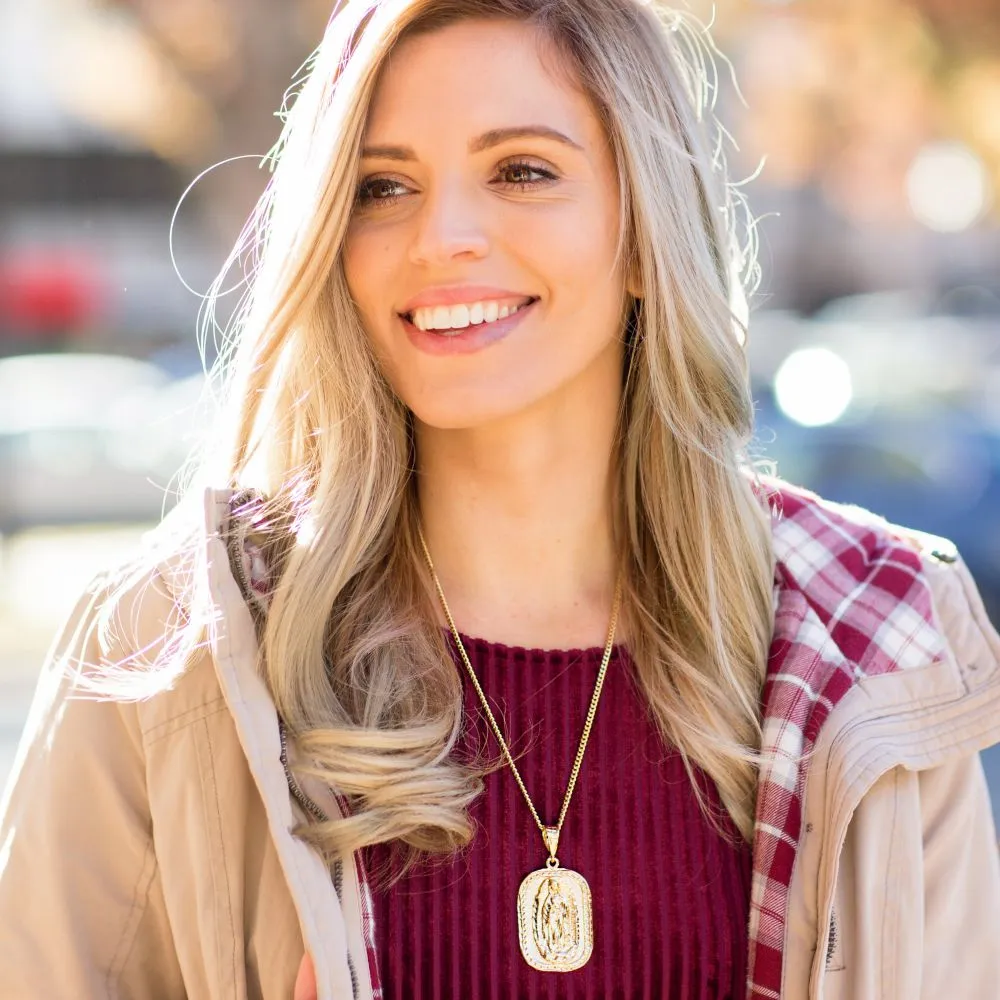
[875, 337]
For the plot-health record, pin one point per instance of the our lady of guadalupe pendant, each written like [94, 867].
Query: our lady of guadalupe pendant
[555, 921]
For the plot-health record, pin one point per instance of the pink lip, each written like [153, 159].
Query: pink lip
[472, 338]
[450, 295]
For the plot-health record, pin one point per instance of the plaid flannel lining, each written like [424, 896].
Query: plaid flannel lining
[850, 602]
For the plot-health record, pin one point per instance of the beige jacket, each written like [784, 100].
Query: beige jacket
[145, 849]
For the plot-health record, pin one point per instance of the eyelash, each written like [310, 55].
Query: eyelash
[365, 200]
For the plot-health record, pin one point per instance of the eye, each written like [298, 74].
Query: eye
[521, 170]
[377, 191]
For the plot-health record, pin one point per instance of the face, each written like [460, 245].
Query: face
[481, 249]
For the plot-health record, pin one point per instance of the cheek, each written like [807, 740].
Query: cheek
[368, 267]
[574, 252]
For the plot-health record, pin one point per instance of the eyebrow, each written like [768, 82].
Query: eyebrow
[483, 142]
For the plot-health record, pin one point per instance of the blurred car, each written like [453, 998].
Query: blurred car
[88, 437]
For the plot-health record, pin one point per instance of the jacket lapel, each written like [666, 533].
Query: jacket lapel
[233, 643]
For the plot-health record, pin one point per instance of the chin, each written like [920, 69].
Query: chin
[452, 417]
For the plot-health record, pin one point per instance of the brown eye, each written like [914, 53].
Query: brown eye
[519, 173]
[377, 191]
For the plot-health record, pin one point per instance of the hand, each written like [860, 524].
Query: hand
[305, 981]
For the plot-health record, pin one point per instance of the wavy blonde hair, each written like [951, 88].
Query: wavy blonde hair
[357, 667]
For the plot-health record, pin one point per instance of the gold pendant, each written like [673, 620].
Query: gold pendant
[555, 922]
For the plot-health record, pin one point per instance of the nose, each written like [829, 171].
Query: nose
[449, 226]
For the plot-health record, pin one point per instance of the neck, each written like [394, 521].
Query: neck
[518, 518]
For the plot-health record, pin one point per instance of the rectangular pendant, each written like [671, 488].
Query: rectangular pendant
[555, 922]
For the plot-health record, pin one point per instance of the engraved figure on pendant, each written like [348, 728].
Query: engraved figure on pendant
[556, 922]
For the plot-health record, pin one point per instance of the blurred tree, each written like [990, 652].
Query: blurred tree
[196, 81]
[844, 94]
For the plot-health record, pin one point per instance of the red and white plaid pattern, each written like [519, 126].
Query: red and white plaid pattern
[850, 602]
[367, 911]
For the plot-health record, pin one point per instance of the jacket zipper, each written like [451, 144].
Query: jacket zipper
[831, 943]
[337, 867]
[300, 796]
[234, 547]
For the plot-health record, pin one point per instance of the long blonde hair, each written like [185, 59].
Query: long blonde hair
[357, 667]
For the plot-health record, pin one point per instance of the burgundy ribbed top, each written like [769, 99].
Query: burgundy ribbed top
[670, 893]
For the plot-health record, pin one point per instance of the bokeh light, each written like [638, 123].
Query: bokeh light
[813, 386]
[948, 187]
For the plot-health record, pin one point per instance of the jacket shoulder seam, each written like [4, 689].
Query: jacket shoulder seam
[182, 720]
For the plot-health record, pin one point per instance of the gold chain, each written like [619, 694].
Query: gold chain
[550, 841]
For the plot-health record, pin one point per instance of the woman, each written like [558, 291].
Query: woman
[494, 671]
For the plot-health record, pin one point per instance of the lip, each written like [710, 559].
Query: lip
[450, 295]
[472, 338]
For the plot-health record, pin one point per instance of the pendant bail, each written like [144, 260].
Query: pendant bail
[550, 835]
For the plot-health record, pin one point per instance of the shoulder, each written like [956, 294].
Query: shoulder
[140, 624]
[811, 532]
[843, 557]
[145, 638]
[851, 562]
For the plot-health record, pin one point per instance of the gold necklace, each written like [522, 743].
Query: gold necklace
[555, 922]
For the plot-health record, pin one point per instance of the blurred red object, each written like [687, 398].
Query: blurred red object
[49, 292]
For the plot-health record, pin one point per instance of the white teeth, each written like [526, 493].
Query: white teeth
[460, 316]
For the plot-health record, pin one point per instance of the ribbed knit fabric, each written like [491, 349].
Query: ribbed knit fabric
[670, 893]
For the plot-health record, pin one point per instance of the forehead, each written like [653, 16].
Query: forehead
[478, 74]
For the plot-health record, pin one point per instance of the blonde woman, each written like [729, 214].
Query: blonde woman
[483, 665]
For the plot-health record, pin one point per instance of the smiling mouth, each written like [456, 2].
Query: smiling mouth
[475, 318]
